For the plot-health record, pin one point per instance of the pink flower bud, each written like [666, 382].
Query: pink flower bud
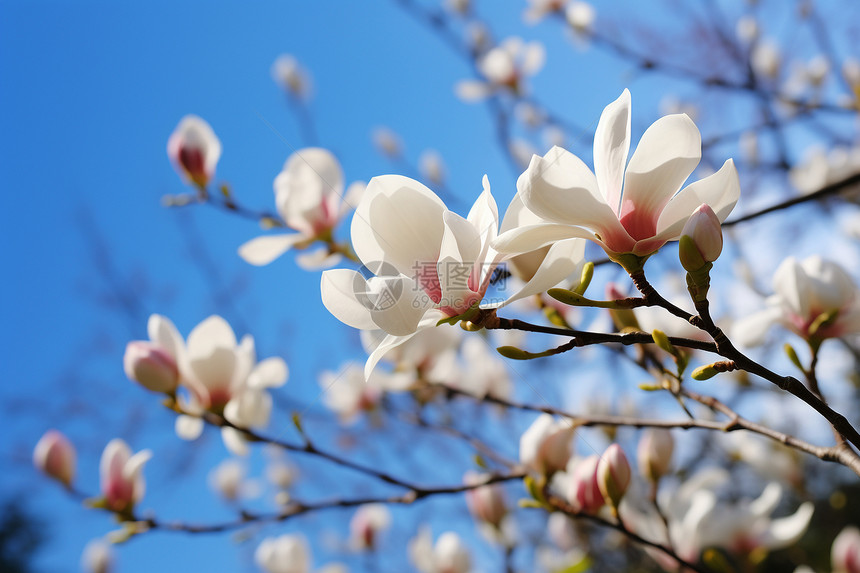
[845, 553]
[150, 366]
[655, 453]
[55, 456]
[194, 150]
[545, 446]
[583, 490]
[368, 522]
[705, 241]
[613, 474]
[486, 503]
[121, 473]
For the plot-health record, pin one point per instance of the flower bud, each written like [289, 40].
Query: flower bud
[486, 503]
[121, 473]
[150, 366]
[368, 522]
[583, 490]
[97, 557]
[55, 456]
[705, 239]
[655, 453]
[613, 474]
[845, 552]
[545, 446]
[194, 150]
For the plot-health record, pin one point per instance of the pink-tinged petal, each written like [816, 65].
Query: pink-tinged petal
[720, 191]
[339, 289]
[263, 250]
[399, 221]
[458, 256]
[268, 373]
[188, 427]
[666, 156]
[532, 237]
[611, 146]
[397, 304]
[563, 260]
[309, 179]
[162, 332]
[135, 464]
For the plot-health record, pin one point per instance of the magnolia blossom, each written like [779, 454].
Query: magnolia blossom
[483, 373]
[504, 67]
[766, 59]
[845, 552]
[428, 357]
[284, 554]
[348, 393]
[310, 196]
[154, 363]
[580, 15]
[428, 263]
[613, 474]
[705, 239]
[654, 453]
[820, 168]
[98, 557]
[633, 211]
[223, 376]
[226, 479]
[815, 298]
[54, 455]
[487, 502]
[291, 76]
[580, 484]
[539, 9]
[122, 482]
[546, 446]
[194, 150]
[698, 518]
[448, 555]
[432, 167]
[367, 523]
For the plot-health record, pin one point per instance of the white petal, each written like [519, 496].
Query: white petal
[188, 427]
[339, 288]
[263, 250]
[135, 464]
[399, 221]
[666, 156]
[720, 191]
[560, 188]
[163, 333]
[318, 259]
[235, 441]
[269, 373]
[211, 334]
[794, 286]
[788, 530]
[611, 146]
[564, 259]
[750, 330]
[768, 501]
[398, 304]
[533, 237]
[533, 58]
[472, 90]
[484, 216]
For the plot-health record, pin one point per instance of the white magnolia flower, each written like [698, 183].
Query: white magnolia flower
[698, 518]
[766, 59]
[449, 555]
[122, 483]
[223, 376]
[429, 356]
[545, 447]
[194, 150]
[367, 523]
[284, 554]
[98, 557]
[650, 211]
[580, 15]
[348, 393]
[485, 503]
[310, 196]
[428, 263]
[504, 67]
[483, 372]
[226, 479]
[291, 76]
[816, 299]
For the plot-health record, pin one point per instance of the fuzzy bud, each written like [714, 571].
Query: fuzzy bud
[655, 453]
[150, 366]
[55, 456]
[613, 474]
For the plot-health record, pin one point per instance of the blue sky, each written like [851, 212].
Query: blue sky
[91, 92]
